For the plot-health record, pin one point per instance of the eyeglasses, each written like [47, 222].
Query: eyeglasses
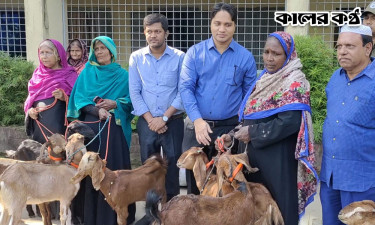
[48, 54]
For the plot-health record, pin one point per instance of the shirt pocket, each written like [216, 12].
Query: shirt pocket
[169, 79]
[360, 112]
[234, 76]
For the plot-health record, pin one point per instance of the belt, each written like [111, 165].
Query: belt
[178, 116]
[233, 121]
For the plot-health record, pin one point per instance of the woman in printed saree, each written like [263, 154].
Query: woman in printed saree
[49, 80]
[277, 129]
[102, 92]
[77, 56]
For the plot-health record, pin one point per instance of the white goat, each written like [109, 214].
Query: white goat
[32, 183]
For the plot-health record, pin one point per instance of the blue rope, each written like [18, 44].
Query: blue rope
[98, 134]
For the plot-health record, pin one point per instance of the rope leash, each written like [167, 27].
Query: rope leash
[70, 157]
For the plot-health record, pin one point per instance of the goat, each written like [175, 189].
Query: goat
[81, 128]
[123, 187]
[195, 159]
[28, 150]
[53, 150]
[75, 143]
[236, 207]
[361, 212]
[35, 183]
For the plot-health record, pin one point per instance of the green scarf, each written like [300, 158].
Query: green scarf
[108, 82]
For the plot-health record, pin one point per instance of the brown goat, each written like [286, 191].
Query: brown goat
[236, 207]
[75, 143]
[123, 187]
[195, 159]
[56, 153]
[361, 212]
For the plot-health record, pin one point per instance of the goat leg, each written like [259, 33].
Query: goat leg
[30, 211]
[45, 211]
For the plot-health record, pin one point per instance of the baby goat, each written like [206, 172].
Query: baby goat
[123, 187]
[361, 212]
[195, 159]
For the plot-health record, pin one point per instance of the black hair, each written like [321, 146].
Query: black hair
[231, 9]
[155, 18]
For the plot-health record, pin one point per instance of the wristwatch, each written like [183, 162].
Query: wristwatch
[165, 118]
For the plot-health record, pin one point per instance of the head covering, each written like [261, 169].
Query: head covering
[287, 42]
[287, 89]
[106, 81]
[45, 80]
[361, 29]
[370, 8]
[80, 63]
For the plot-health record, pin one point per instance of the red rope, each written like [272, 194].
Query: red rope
[109, 129]
[44, 108]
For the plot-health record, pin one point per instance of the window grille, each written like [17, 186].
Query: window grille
[189, 22]
[12, 28]
[330, 33]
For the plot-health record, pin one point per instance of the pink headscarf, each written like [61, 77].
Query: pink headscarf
[46, 80]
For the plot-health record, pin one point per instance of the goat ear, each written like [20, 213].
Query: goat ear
[220, 180]
[97, 173]
[199, 171]
[244, 159]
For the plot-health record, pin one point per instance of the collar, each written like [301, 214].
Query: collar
[211, 44]
[368, 71]
[146, 51]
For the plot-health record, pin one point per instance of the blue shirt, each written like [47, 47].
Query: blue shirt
[213, 84]
[153, 83]
[349, 131]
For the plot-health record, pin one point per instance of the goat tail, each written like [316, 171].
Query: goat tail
[274, 213]
[152, 210]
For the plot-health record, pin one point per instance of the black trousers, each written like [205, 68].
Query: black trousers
[190, 141]
[171, 142]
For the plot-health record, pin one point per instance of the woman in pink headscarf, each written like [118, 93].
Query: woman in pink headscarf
[51, 77]
[77, 55]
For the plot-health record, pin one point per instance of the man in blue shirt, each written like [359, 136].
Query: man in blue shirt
[215, 76]
[154, 73]
[348, 164]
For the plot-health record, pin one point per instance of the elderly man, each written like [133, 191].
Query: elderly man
[215, 76]
[348, 165]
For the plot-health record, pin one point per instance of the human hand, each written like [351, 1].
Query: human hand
[243, 134]
[227, 141]
[103, 114]
[33, 113]
[156, 124]
[107, 104]
[202, 131]
[58, 94]
[162, 130]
